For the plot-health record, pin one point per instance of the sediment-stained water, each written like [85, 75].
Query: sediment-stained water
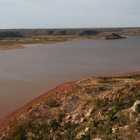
[27, 73]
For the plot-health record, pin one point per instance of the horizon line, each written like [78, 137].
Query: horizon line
[63, 28]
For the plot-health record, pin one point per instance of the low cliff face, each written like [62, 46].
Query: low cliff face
[94, 108]
[66, 32]
[9, 34]
[46, 32]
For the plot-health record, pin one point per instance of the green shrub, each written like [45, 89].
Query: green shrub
[53, 103]
[19, 136]
[111, 113]
[97, 102]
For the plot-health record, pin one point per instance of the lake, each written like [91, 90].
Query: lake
[27, 73]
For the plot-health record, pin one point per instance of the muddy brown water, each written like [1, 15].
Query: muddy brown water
[27, 73]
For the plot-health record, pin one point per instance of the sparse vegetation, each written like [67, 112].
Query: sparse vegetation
[97, 102]
[53, 103]
[107, 114]
[19, 42]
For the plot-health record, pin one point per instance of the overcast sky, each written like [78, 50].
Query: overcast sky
[69, 13]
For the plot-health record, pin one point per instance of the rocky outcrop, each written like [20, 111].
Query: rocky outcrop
[96, 108]
[136, 106]
[112, 36]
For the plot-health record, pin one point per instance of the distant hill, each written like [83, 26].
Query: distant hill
[9, 34]
[68, 32]
[50, 32]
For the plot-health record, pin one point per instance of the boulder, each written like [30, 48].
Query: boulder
[136, 106]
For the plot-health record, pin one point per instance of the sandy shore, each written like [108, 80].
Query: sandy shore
[21, 45]
[10, 47]
[6, 119]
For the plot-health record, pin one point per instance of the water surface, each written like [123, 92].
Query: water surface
[28, 73]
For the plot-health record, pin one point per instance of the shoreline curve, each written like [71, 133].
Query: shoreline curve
[7, 118]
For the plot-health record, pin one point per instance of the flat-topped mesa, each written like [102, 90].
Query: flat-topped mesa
[112, 36]
[67, 32]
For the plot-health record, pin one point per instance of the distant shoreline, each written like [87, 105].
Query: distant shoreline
[12, 47]
[19, 42]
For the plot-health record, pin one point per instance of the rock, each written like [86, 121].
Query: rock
[80, 134]
[126, 91]
[81, 120]
[125, 128]
[87, 129]
[138, 119]
[74, 116]
[136, 106]
[112, 36]
[114, 129]
[83, 132]
[87, 115]
[68, 117]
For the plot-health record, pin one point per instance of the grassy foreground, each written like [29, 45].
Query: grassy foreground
[103, 108]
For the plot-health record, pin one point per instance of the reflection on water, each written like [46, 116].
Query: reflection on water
[28, 73]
